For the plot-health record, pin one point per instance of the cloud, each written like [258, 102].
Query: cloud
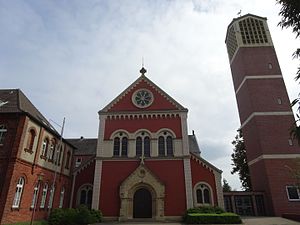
[73, 58]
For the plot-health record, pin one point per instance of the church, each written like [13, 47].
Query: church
[146, 164]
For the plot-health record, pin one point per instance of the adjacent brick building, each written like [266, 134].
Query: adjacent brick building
[31, 161]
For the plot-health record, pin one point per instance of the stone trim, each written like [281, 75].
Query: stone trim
[283, 113]
[97, 184]
[142, 177]
[219, 189]
[188, 183]
[273, 156]
[256, 78]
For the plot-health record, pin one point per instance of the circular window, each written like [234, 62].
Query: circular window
[142, 98]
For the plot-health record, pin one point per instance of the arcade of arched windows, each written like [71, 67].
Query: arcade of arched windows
[144, 142]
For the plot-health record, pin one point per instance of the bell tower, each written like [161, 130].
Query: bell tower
[264, 110]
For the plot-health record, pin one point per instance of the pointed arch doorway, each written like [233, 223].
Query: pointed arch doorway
[142, 204]
[142, 195]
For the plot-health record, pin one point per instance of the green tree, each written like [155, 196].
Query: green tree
[239, 159]
[290, 13]
[226, 186]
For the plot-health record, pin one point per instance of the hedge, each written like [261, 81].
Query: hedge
[212, 218]
[80, 216]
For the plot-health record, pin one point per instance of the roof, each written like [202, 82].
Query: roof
[15, 101]
[193, 144]
[142, 78]
[84, 146]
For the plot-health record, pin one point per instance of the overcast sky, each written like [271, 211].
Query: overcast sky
[71, 58]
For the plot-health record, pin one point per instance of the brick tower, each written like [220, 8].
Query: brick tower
[265, 113]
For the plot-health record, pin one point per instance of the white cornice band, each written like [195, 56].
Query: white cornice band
[283, 113]
[257, 77]
[273, 156]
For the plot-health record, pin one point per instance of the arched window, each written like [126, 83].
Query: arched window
[52, 150]
[161, 146]
[169, 146]
[52, 191]
[45, 148]
[147, 146]
[124, 146]
[68, 160]
[61, 197]
[3, 131]
[30, 141]
[35, 193]
[139, 146]
[165, 144]
[44, 196]
[85, 195]
[143, 145]
[116, 146]
[203, 194]
[18, 193]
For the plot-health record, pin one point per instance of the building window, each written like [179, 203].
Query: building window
[44, 196]
[293, 193]
[61, 197]
[45, 148]
[120, 145]
[147, 146]
[124, 146]
[51, 151]
[139, 146]
[85, 195]
[142, 145]
[59, 155]
[165, 145]
[78, 161]
[3, 131]
[30, 141]
[35, 195]
[18, 194]
[116, 146]
[203, 194]
[67, 166]
[52, 190]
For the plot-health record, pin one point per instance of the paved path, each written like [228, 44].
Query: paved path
[247, 221]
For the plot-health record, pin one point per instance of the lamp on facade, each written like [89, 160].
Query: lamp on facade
[40, 178]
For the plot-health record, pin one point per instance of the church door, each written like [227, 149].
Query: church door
[142, 204]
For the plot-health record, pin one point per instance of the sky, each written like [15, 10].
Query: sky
[71, 58]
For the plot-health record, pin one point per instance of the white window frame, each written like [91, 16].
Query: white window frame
[44, 196]
[35, 193]
[287, 192]
[18, 193]
[3, 131]
[198, 186]
[61, 197]
[51, 197]
[78, 162]
[165, 135]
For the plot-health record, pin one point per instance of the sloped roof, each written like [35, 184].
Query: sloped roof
[133, 85]
[84, 146]
[193, 144]
[16, 102]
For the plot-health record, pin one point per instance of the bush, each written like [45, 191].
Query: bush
[212, 218]
[80, 216]
[203, 209]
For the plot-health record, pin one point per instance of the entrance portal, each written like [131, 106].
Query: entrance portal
[142, 204]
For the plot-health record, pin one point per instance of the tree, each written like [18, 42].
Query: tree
[226, 186]
[239, 159]
[290, 12]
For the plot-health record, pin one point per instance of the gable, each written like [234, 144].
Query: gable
[159, 99]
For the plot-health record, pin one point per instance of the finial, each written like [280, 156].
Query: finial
[143, 71]
[239, 13]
